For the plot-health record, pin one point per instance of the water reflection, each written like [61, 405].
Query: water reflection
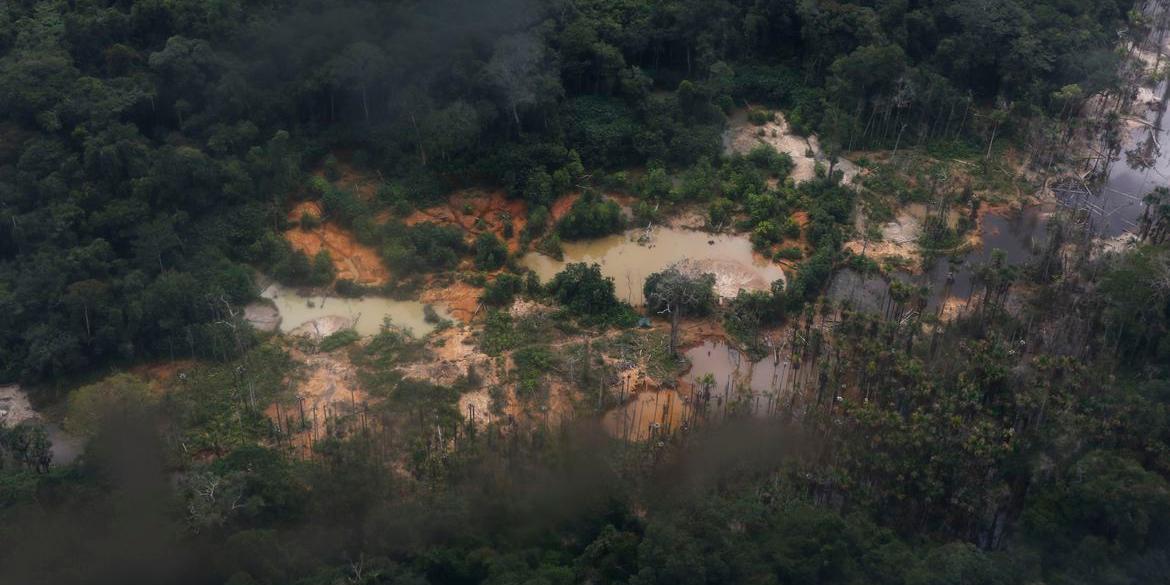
[648, 415]
[731, 377]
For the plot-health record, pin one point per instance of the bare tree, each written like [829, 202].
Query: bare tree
[676, 290]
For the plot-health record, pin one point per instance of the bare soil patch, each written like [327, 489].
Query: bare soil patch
[476, 212]
[352, 260]
[742, 136]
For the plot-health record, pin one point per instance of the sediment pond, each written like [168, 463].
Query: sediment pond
[736, 378]
[630, 257]
[365, 315]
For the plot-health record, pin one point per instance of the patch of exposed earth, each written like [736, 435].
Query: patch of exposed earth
[15, 408]
[741, 136]
[730, 276]
[263, 316]
[352, 260]
[328, 392]
[459, 298]
[476, 212]
[899, 241]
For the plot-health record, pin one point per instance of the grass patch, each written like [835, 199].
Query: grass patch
[338, 340]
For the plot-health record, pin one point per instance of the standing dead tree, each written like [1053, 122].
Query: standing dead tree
[675, 291]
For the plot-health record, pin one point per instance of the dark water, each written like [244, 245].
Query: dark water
[1142, 164]
[1021, 236]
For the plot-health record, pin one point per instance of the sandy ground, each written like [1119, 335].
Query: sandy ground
[560, 208]
[742, 136]
[263, 316]
[351, 259]
[452, 354]
[329, 391]
[900, 237]
[14, 406]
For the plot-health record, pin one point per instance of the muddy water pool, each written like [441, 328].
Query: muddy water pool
[365, 314]
[1021, 235]
[736, 377]
[647, 415]
[630, 257]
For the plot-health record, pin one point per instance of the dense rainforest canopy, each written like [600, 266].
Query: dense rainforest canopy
[151, 152]
[147, 148]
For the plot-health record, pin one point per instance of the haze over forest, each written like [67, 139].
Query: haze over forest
[780, 292]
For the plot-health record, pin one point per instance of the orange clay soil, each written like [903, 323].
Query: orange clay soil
[463, 208]
[560, 207]
[460, 298]
[351, 259]
[328, 391]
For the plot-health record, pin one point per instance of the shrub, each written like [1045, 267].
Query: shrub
[766, 234]
[309, 221]
[537, 223]
[790, 253]
[532, 363]
[502, 290]
[590, 217]
[344, 206]
[338, 340]
[426, 247]
[791, 229]
[490, 252]
[585, 292]
[759, 117]
[719, 212]
[322, 272]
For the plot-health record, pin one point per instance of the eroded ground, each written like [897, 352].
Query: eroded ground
[742, 136]
[352, 260]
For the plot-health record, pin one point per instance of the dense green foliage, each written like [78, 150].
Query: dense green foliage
[585, 292]
[591, 216]
[147, 149]
[150, 151]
